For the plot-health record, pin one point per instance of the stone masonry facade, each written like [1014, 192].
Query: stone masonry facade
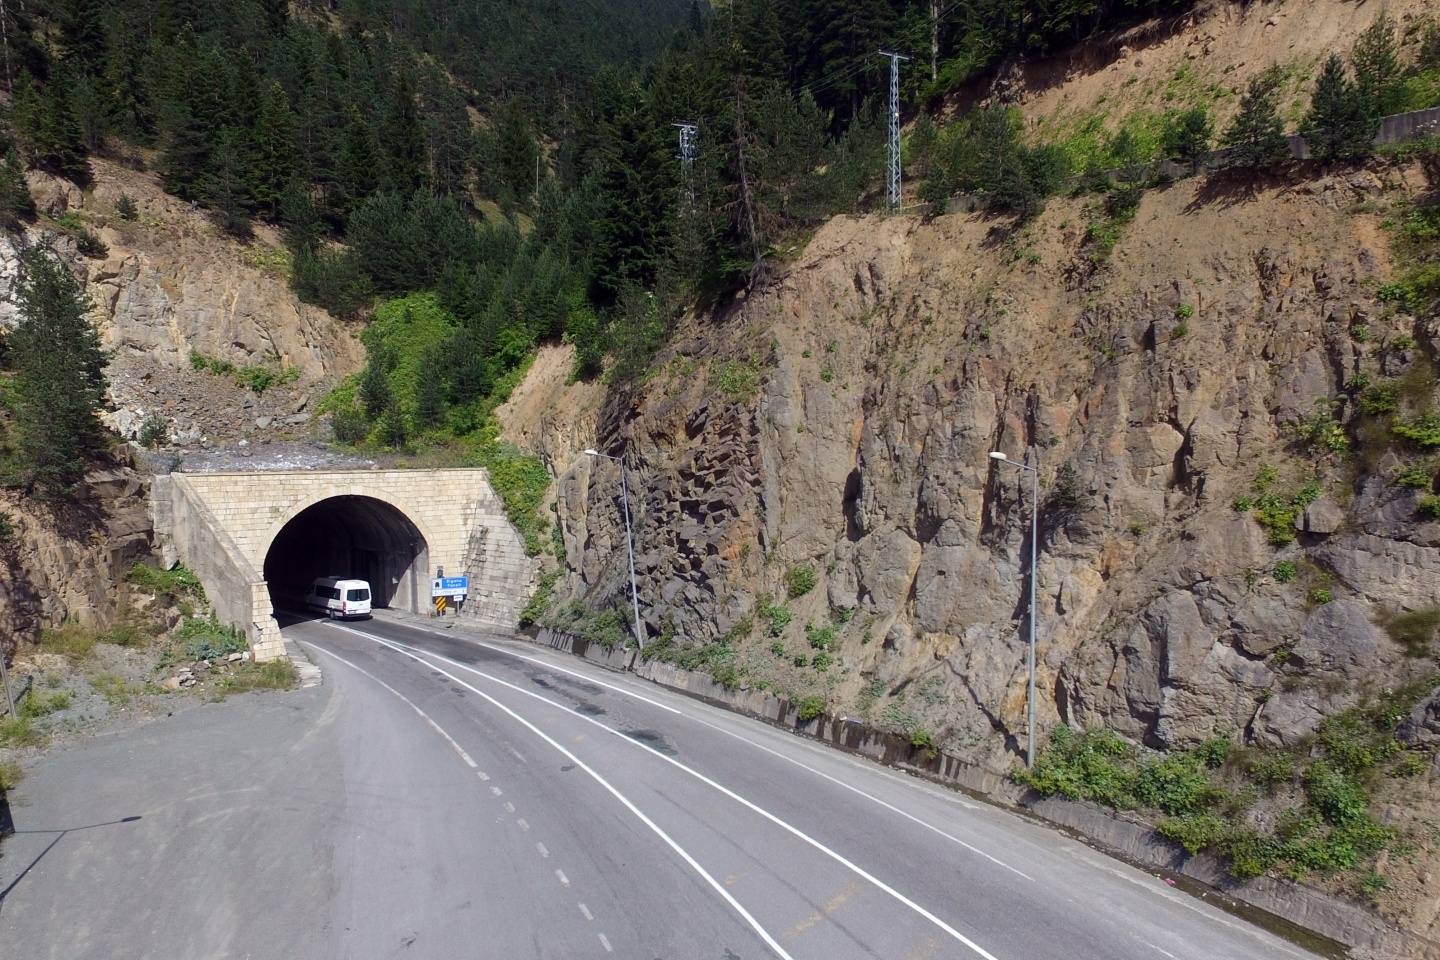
[221, 526]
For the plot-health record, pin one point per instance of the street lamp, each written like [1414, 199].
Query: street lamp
[1034, 524]
[630, 544]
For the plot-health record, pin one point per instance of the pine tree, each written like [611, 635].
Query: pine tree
[1379, 77]
[375, 393]
[59, 376]
[1187, 136]
[406, 166]
[1337, 127]
[1256, 135]
[357, 172]
[48, 129]
[227, 186]
[273, 161]
[430, 390]
[16, 203]
[82, 35]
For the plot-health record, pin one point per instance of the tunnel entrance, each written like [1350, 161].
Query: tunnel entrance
[356, 537]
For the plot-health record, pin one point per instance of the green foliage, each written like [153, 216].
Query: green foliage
[540, 602]
[125, 208]
[1428, 506]
[1339, 125]
[17, 206]
[1197, 802]
[207, 639]
[984, 153]
[1416, 476]
[19, 732]
[1256, 136]
[737, 379]
[1422, 430]
[1284, 571]
[59, 377]
[1380, 398]
[41, 704]
[821, 638]
[271, 675]
[809, 708]
[174, 584]
[1277, 510]
[155, 431]
[1188, 134]
[800, 580]
[776, 618]
[1322, 430]
[521, 481]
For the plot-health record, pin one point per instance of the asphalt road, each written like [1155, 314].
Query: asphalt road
[439, 797]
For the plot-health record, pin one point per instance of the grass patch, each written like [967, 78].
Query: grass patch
[776, 617]
[610, 628]
[271, 675]
[39, 704]
[10, 775]
[210, 640]
[70, 640]
[799, 581]
[116, 690]
[20, 732]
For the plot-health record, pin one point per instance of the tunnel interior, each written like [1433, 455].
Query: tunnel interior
[352, 537]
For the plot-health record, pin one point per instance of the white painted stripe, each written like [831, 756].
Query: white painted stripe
[857, 790]
[497, 791]
[482, 774]
[509, 807]
[434, 726]
[606, 944]
[523, 825]
[585, 912]
[548, 666]
[680, 851]
[795, 831]
[564, 880]
[543, 851]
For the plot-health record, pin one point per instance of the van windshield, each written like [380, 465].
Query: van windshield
[357, 595]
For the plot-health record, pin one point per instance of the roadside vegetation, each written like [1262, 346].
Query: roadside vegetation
[1290, 812]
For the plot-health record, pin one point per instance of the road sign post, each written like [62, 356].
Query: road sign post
[445, 589]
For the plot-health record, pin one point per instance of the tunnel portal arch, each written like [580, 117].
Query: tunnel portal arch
[351, 536]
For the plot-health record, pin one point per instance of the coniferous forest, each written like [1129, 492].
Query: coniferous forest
[483, 176]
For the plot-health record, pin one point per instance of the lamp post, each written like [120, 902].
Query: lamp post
[630, 545]
[1034, 525]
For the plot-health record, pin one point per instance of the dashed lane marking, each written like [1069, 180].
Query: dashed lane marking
[564, 880]
[585, 912]
[509, 807]
[606, 944]
[543, 851]
[610, 788]
[750, 805]
[523, 825]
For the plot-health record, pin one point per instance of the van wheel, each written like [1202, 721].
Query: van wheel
[331, 614]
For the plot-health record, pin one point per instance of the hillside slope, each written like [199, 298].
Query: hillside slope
[1216, 560]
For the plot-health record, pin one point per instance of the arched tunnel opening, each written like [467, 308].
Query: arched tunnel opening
[352, 537]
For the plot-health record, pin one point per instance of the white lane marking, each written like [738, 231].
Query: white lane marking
[523, 825]
[543, 851]
[497, 791]
[795, 831]
[564, 880]
[435, 726]
[954, 839]
[586, 912]
[482, 774]
[549, 666]
[853, 789]
[606, 944]
[680, 851]
[509, 807]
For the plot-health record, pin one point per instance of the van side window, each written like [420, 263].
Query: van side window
[357, 595]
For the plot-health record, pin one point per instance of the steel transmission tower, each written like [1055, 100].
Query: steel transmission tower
[689, 135]
[895, 58]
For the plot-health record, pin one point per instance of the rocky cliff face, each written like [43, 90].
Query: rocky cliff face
[171, 286]
[841, 421]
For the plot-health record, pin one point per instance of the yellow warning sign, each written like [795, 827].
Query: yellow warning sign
[440, 606]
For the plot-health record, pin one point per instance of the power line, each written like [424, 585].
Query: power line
[863, 62]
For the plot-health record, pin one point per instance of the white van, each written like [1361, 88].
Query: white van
[339, 598]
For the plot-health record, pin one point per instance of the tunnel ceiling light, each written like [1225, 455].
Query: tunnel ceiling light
[997, 455]
[592, 453]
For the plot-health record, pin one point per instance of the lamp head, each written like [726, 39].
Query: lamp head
[592, 453]
[997, 455]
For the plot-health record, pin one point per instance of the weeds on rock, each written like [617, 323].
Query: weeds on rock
[1207, 798]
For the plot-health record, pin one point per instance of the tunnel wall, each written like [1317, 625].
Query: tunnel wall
[190, 530]
[459, 516]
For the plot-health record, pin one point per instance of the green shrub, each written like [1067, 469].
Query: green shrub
[799, 581]
[1429, 506]
[209, 640]
[821, 638]
[821, 661]
[1285, 570]
[1321, 595]
[349, 426]
[1380, 398]
[19, 732]
[155, 431]
[1423, 430]
[125, 208]
[737, 379]
[38, 704]
[540, 601]
[776, 618]
[1417, 476]
[175, 583]
[810, 707]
